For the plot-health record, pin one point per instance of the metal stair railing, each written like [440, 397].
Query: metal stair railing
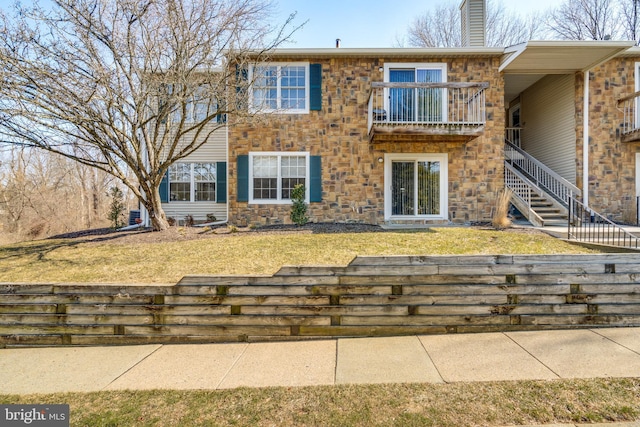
[522, 190]
[588, 226]
[540, 174]
[518, 184]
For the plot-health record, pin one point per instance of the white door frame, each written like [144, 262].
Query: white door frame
[443, 158]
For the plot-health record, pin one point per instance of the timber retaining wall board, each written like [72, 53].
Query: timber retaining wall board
[372, 296]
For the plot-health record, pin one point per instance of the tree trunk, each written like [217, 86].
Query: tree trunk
[156, 214]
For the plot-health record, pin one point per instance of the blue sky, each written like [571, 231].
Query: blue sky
[368, 23]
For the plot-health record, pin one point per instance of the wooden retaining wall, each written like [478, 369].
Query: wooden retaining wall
[373, 296]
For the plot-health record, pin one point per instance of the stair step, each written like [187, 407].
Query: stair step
[543, 207]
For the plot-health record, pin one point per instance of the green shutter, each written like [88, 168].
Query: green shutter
[243, 179]
[315, 181]
[164, 188]
[315, 87]
[221, 182]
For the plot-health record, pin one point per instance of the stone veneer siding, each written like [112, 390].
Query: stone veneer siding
[352, 178]
[612, 163]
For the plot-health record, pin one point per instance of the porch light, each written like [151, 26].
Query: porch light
[380, 160]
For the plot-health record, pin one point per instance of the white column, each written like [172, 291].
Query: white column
[585, 142]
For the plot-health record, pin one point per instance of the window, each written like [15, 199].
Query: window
[180, 182]
[280, 87]
[204, 176]
[189, 182]
[197, 106]
[274, 175]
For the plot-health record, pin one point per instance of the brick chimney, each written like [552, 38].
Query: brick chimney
[473, 19]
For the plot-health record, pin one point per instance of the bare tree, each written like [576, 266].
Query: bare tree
[585, 20]
[441, 27]
[630, 17]
[127, 86]
[44, 194]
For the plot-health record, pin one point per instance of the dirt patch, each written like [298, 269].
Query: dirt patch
[176, 234]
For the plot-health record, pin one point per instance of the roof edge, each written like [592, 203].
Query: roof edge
[387, 52]
[617, 48]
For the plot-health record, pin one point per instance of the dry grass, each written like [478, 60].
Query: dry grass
[126, 260]
[444, 405]
[501, 218]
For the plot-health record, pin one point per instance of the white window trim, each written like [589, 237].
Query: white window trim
[443, 158]
[307, 91]
[442, 66]
[278, 154]
[192, 186]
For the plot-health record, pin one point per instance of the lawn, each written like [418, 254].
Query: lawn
[156, 258]
[444, 405]
[163, 258]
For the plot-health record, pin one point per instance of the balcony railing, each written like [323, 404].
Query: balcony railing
[427, 109]
[630, 107]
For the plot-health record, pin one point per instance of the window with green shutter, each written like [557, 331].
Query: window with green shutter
[269, 177]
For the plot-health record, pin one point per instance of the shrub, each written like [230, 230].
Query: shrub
[116, 207]
[299, 207]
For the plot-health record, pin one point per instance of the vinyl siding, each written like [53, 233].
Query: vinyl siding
[473, 22]
[212, 152]
[548, 116]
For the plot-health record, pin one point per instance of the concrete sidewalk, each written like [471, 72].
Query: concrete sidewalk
[436, 359]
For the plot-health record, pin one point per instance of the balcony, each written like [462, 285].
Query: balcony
[434, 112]
[629, 105]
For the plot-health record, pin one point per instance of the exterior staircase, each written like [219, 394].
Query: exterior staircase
[550, 212]
[540, 194]
[544, 198]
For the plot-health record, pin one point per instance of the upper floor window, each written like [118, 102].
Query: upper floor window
[192, 182]
[195, 106]
[280, 87]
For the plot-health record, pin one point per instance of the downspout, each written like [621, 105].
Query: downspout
[585, 142]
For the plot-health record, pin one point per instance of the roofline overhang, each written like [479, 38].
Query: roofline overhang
[614, 48]
[380, 52]
[632, 51]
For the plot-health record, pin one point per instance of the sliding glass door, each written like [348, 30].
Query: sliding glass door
[417, 187]
[420, 105]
